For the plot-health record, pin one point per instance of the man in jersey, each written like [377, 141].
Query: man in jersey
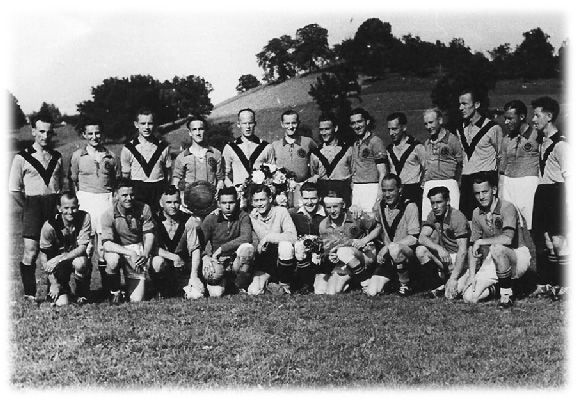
[406, 157]
[247, 152]
[63, 243]
[307, 218]
[331, 163]
[274, 234]
[228, 229]
[177, 246]
[443, 160]
[369, 162]
[128, 237]
[520, 159]
[36, 179]
[549, 215]
[497, 254]
[200, 162]
[443, 246]
[481, 139]
[349, 248]
[399, 218]
[293, 151]
[93, 171]
[146, 161]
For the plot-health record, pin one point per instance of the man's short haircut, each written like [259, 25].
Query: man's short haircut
[392, 177]
[518, 106]
[328, 117]
[444, 191]
[438, 112]
[41, 116]
[246, 110]
[260, 188]
[91, 122]
[123, 182]
[143, 111]
[361, 111]
[401, 117]
[289, 112]
[228, 191]
[196, 118]
[476, 96]
[548, 104]
[68, 195]
[309, 187]
[171, 190]
[485, 176]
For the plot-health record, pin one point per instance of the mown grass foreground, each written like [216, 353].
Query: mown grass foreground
[289, 342]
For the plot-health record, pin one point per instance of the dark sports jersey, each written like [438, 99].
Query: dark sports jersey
[399, 221]
[482, 144]
[305, 223]
[407, 160]
[36, 172]
[57, 238]
[243, 155]
[145, 160]
[184, 239]
[129, 228]
[452, 226]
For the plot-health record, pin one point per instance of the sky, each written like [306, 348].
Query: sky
[57, 54]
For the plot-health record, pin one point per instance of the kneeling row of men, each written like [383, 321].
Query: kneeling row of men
[324, 249]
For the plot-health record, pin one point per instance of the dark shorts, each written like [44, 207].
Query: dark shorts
[342, 188]
[149, 193]
[549, 214]
[35, 211]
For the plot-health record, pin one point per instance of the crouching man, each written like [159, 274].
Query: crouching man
[178, 256]
[128, 240]
[63, 242]
[498, 254]
[348, 247]
[228, 230]
[274, 234]
[443, 248]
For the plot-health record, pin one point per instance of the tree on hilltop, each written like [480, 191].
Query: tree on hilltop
[277, 60]
[15, 113]
[247, 82]
[49, 109]
[311, 48]
[535, 56]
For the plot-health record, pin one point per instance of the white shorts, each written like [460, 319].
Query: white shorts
[95, 204]
[520, 192]
[364, 195]
[452, 186]
[487, 271]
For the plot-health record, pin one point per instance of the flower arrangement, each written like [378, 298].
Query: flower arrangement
[280, 180]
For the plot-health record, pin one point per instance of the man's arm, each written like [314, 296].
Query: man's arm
[227, 164]
[178, 170]
[73, 171]
[167, 164]
[288, 230]
[245, 235]
[461, 257]
[125, 162]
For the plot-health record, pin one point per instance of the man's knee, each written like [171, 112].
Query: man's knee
[81, 266]
[498, 250]
[422, 254]
[112, 262]
[158, 263]
[246, 253]
[286, 251]
[31, 249]
[469, 296]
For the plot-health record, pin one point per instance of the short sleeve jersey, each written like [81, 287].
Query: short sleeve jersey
[332, 162]
[453, 226]
[407, 160]
[129, 227]
[183, 241]
[366, 154]
[494, 223]
[145, 160]
[57, 238]
[36, 173]
[554, 159]
[305, 223]
[350, 228]
[443, 155]
[482, 143]
[520, 154]
[93, 174]
[294, 156]
[190, 168]
[243, 155]
[398, 222]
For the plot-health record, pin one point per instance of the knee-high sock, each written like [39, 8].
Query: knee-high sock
[28, 275]
[285, 269]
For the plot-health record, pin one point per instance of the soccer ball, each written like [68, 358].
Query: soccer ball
[212, 271]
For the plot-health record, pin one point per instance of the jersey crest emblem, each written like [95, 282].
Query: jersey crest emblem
[354, 231]
[499, 223]
[302, 153]
[528, 146]
[212, 163]
[365, 153]
[444, 151]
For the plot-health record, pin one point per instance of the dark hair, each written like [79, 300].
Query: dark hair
[41, 116]
[548, 104]
[361, 111]
[195, 118]
[91, 122]
[485, 176]
[392, 177]
[171, 190]
[260, 188]
[289, 112]
[245, 109]
[401, 117]
[143, 111]
[517, 105]
[309, 187]
[228, 191]
[328, 117]
[67, 195]
[476, 96]
[123, 182]
[444, 191]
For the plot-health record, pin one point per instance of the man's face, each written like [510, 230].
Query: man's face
[432, 123]
[439, 205]
[43, 133]
[512, 120]
[541, 118]
[290, 123]
[358, 124]
[310, 201]
[261, 202]
[68, 208]
[327, 131]
[396, 130]
[391, 192]
[197, 131]
[227, 204]
[125, 197]
[145, 125]
[467, 106]
[334, 209]
[171, 204]
[246, 123]
[92, 135]
[484, 194]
